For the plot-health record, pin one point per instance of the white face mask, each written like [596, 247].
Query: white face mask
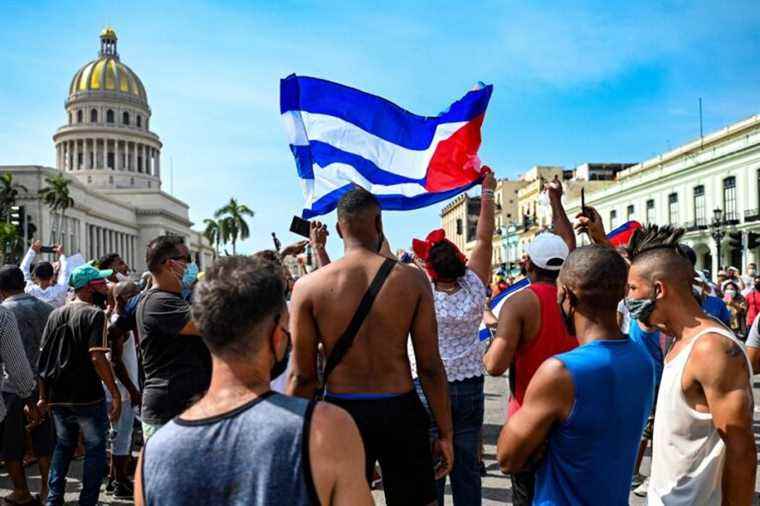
[121, 277]
[731, 293]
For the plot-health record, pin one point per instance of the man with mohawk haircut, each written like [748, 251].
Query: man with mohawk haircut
[703, 431]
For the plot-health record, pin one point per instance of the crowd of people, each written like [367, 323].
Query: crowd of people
[241, 385]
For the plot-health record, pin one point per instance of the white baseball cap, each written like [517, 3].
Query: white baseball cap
[547, 251]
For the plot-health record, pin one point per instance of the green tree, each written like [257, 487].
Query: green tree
[233, 224]
[214, 233]
[10, 242]
[57, 197]
[9, 192]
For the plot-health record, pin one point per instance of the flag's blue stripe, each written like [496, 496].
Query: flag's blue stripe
[374, 114]
[619, 230]
[304, 161]
[324, 154]
[395, 202]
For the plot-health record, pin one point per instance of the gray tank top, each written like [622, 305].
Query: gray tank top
[257, 454]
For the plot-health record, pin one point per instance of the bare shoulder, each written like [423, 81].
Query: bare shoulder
[332, 428]
[413, 275]
[523, 302]
[552, 383]
[716, 356]
[553, 374]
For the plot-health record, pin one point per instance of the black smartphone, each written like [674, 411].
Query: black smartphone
[47, 249]
[583, 201]
[300, 226]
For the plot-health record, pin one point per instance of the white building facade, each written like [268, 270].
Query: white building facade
[684, 187]
[113, 160]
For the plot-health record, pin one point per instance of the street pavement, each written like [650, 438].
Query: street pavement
[496, 486]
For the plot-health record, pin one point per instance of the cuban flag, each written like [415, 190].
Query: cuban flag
[622, 234]
[341, 137]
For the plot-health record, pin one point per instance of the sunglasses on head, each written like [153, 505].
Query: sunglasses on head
[185, 258]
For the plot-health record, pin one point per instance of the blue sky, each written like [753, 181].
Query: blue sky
[574, 82]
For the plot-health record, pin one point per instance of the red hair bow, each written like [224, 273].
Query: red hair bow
[422, 250]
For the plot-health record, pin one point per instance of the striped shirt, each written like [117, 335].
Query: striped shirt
[13, 358]
[55, 294]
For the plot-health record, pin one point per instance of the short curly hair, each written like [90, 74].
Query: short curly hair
[235, 296]
[445, 261]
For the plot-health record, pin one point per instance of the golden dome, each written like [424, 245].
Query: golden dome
[108, 32]
[107, 73]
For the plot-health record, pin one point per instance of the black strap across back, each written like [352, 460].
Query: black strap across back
[346, 340]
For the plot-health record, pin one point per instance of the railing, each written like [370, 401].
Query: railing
[752, 215]
[698, 224]
[731, 218]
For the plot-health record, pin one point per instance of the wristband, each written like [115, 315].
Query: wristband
[487, 193]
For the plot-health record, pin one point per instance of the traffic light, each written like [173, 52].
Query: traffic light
[753, 240]
[735, 240]
[17, 215]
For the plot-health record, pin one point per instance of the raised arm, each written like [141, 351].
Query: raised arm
[431, 371]
[26, 263]
[548, 399]
[719, 366]
[480, 259]
[63, 268]
[590, 223]
[303, 380]
[509, 332]
[318, 239]
[560, 223]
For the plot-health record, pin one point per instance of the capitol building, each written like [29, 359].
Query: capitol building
[113, 159]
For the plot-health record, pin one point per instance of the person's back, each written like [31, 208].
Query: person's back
[378, 361]
[255, 461]
[601, 435]
[372, 379]
[32, 315]
[551, 339]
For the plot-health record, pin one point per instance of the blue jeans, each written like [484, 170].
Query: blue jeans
[467, 406]
[93, 422]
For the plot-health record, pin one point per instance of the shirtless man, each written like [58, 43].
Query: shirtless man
[373, 382]
[703, 435]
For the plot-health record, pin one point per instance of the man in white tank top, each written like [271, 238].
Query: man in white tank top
[703, 448]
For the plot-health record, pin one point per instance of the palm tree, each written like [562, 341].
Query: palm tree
[213, 233]
[233, 222]
[56, 196]
[8, 195]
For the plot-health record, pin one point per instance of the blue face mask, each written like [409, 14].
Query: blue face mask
[188, 278]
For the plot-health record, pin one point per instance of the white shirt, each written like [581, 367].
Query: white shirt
[55, 294]
[129, 358]
[625, 324]
[688, 454]
[459, 315]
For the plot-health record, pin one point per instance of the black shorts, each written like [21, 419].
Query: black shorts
[395, 432]
[14, 431]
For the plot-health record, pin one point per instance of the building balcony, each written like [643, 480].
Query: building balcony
[698, 224]
[751, 215]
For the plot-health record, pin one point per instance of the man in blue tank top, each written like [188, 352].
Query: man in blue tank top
[242, 443]
[586, 409]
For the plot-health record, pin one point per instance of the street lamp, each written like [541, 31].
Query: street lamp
[718, 232]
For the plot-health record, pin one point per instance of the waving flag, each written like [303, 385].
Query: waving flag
[622, 235]
[341, 137]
